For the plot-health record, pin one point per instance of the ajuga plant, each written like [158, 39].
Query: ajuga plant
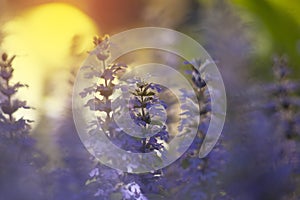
[21, 163]
[146, 109]
[208, 169]
[263, 157]
[109, 183]
[11, 128]
[285, 101]
[283, 107]
[104, 182]
[144, 98]
[191, 177]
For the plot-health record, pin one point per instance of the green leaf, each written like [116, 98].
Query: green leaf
[89, 181]
[281, 23]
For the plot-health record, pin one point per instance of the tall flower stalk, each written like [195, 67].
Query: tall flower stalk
[285, 101]
[144, 98]
[10, 126]
[143, 105]
[18, 152]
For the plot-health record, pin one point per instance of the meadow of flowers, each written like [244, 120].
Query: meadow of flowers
[257, 156]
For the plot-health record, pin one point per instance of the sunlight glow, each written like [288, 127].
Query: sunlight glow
[42, 38]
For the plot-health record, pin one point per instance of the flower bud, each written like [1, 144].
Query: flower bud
[4, 57]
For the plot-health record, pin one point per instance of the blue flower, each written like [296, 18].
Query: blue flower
[156, 87]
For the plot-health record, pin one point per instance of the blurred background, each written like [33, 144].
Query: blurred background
[51, 39]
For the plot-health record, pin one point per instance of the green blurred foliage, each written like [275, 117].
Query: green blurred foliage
[280, 19]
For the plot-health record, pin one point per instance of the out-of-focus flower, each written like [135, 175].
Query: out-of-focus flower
[9, 124]
[102, 47]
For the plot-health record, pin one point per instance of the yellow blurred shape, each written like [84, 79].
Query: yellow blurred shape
[42, 38]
